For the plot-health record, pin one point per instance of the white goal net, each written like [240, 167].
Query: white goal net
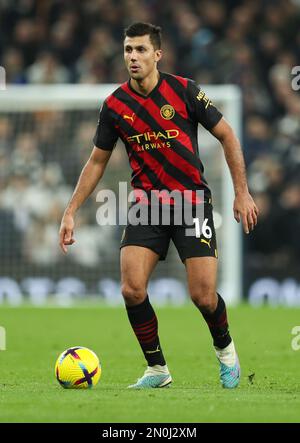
[45, 138]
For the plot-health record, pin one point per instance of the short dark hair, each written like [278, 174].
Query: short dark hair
[139, 29]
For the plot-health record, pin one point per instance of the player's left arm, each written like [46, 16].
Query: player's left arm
[244, 207]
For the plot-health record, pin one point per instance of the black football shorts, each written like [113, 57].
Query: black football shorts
[196, 238]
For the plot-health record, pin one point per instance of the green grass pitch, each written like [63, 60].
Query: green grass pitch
[29, 392]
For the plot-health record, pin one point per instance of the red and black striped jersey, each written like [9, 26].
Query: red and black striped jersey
[159, 132]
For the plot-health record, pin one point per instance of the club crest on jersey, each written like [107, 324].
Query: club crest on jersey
[167, 112]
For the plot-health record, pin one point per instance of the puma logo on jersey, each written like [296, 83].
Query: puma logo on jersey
[206, 242]
[153, 352]
[128, 117]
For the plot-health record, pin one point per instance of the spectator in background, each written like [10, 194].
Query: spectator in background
[290, 219]
[258, 139]
[263, 243]
[14, 66]
[26, 39]
[66, 39]
[47, 69]
[26, 156]
[6, 135]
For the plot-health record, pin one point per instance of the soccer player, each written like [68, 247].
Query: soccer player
[156, 116]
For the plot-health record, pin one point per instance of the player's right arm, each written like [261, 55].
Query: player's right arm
[88, 180]
[104, 141]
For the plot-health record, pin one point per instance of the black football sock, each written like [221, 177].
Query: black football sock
[144, 323]
[218, 324]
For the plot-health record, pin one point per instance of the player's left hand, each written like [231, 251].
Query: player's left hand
[66, 232]
[246, 210]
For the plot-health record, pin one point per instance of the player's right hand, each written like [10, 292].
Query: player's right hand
[66, 232]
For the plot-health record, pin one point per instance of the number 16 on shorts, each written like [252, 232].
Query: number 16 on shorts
[202, 229]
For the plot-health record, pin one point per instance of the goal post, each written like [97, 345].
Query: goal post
[60, 120]
[232, 260]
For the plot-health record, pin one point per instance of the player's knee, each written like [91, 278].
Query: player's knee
[133, 293]
[204, 297]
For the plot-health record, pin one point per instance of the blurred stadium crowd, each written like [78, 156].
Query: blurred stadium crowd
[251, 44]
